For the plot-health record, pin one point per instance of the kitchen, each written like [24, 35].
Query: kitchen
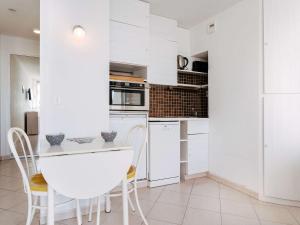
[217, 101]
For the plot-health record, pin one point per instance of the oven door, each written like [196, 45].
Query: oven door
[128, 99]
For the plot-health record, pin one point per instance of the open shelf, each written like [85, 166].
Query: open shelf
[192, 86]
[192, 72]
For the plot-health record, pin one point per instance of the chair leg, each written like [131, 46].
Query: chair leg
[91, 211]
[138, 203]
[35, 203]
[29, 212]
[98, 210]
[107, 203]
[78, 213]
[130, 203]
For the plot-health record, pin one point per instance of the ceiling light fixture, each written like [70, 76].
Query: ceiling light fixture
[36, 31]
[78, 31]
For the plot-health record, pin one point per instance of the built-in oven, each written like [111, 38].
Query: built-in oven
[129, 96]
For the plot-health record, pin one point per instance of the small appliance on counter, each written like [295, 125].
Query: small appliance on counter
[182, 62]
[200, 66]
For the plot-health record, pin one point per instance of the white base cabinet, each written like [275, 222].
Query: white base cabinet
[164, 153]
[194, 147]
[197, 154]
[122, 123]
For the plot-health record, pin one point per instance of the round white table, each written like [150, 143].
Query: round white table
[85, 171]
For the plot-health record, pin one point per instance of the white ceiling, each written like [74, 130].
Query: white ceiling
[189, 13]
[23, 21]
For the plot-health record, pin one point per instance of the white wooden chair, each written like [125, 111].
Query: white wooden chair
[131, 176]
[34, 183]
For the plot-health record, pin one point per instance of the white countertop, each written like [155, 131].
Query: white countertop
[155, 119]
[71, 147]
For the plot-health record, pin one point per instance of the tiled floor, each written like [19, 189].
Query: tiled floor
[196, 202]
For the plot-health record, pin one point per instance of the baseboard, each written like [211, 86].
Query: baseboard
[197, 175]
[233, 185]
[5, 157]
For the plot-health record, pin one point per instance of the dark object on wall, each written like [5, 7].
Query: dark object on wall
[29, 94]
[182, 62]
[32, 123]
[200, 66]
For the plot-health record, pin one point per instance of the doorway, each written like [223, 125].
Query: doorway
[25, 96]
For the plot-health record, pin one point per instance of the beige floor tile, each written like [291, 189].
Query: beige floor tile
[236, 220]
[203, 180]
[238, 209]
[156, 222]
[12, 199]
[10, 183]
[149, 194]
[201, 217]
[117, 219]
[73, 221]
[20, 207]
[274, 214]
[11, 218]
[116, 205]
[205, 203]
[231, 194]
[185, 187]
[167, 212]
[295, 211]
[4, 192]
[176, 198]
[271, 223]
[209, 189]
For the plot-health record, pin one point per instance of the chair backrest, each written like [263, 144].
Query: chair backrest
[141, 129]
[17, 135]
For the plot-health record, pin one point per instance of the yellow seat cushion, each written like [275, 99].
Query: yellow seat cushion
[131, 172]
[38, 183]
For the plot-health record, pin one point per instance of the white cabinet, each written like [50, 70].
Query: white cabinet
[122, 123]
[282, 46]
[164, 153]
[133, 12]
[128, 44]
[162, 64]
[282, 146]
[194, 146]
[199, 126]
[162, 53]
[163, 27]
[197, 154]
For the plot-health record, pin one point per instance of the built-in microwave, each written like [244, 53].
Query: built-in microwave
[128, 96]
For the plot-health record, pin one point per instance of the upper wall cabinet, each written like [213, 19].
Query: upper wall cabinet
[282, 46]
[132, 12]
[129, 32]
[128, 44]
[163, 28]
[163, 51]
[162, 65]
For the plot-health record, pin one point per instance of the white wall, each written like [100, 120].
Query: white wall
[74, 74]
[234, 86]
[18, 46]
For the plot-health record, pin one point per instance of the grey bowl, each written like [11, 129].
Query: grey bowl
[109, 136]
[55, 139]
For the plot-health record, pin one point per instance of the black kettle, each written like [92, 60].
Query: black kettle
[182, 62]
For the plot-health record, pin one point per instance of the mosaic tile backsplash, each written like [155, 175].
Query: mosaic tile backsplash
[168, 101]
